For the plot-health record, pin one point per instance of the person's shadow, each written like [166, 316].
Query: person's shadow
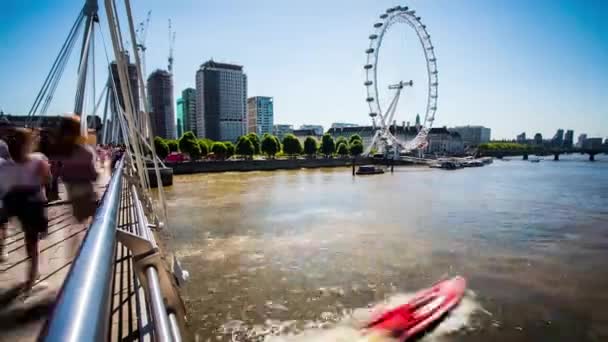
[18, 308]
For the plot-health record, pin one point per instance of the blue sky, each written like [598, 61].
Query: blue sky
[510, 65]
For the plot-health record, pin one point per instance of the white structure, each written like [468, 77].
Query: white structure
[281, 130]
[581, 140]
[343, 125]
[221, 100]
[442, 141]
[473, 135]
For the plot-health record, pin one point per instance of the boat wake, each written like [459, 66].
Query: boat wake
[348, 325]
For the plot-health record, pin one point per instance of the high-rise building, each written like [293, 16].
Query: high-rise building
[581, 140]
[192, 122]
[318, 129]
[180, 117]
[558, 138]
[473, 135]
[593, 143]
[281, 130]
[569, 138]
[160, 96]
[260, 114]
[133, 84]
[521, 138]
[538, 139]
[221, 100]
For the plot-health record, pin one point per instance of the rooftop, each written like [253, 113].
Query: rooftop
[212, 64]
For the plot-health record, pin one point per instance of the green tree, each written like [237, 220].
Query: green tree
[255, 140]
[342, 149]
[219, 150]
[230, 149]
[341, 140]
[204, 147]
[161, 147]
[244, 147]
[189, 145]
[328, 146]
[356, 148]
[278, 143]
[269, 145]
[353, 138]
[173, 145]
[291, 145]
[310, 146]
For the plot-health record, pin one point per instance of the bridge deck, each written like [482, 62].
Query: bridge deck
[23, 316]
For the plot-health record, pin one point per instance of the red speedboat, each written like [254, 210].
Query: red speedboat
[425, 308]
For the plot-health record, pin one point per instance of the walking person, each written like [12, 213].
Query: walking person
[77, 168]
[25, 198]
[5, 160]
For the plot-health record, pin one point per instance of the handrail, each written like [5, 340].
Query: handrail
[82, 310]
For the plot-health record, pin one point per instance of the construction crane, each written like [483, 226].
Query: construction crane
[142, 33]
[171, 44]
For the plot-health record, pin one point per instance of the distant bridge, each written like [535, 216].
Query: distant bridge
[541, 151]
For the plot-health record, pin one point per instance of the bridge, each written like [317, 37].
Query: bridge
[541, 151]
[108, 280]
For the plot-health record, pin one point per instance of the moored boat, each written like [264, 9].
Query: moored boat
[369, 170]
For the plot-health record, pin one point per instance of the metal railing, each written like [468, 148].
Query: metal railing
[82, 310]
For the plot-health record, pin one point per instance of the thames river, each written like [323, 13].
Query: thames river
[309, 255]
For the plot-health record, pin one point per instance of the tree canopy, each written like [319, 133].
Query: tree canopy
[341, 140]
[244, 147]
[219, 149]
[356, 148]
[328, 146]
[203, 146]
[342, 149]
[161, 147]
[188, 144]
[269, 145]
[230, 149]
[310, 146]
[255, 140]
[291, 145]
[173, 145]
[353, 138]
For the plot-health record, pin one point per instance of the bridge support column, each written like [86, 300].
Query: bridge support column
[591, 156]
[525, 156]
[556, 156]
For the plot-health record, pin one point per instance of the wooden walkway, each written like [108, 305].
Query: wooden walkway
[23, 316]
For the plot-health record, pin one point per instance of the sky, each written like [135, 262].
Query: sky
[513, 66]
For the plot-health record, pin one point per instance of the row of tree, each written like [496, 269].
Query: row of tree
[250, 144]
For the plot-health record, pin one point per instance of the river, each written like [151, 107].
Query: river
[309, 255]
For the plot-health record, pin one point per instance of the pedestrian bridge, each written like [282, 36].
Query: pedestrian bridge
[105, 281]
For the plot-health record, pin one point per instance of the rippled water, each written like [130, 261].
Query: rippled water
[310, 255]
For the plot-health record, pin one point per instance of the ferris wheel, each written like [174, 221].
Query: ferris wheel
[383, 140]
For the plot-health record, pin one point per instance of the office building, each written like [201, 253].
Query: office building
[581, 140]
[260, 115]
[221, 101]
[133, 85]
[569, 139]
[179, 115]
[281, 130]
[318, 129]
[538, 139]
[473, 135]
[558, 138]
[343, 125]
[521, 138]
[445, 142]
[192, 123]
[160, 96]
[592, 143]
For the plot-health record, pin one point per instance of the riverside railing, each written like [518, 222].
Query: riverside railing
[82, 311]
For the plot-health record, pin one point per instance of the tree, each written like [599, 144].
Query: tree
[244, 147]
[204, 147]
[161, 147]
[255, 140]
[356, 148]
[342, 149]
[189, 145]
[278, 143]
[341, 140]
[353, 138]
[291, 145]
[328, 146]
[173, 145]
[310, 146]
[219, 150]
[269, 145]
[230, 149]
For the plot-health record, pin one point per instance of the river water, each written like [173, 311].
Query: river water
[310, 255]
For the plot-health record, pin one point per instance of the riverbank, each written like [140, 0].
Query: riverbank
[261, 165]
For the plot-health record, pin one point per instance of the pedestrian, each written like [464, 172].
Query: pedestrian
[77, 168]
[25, 198]
[5, 160]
